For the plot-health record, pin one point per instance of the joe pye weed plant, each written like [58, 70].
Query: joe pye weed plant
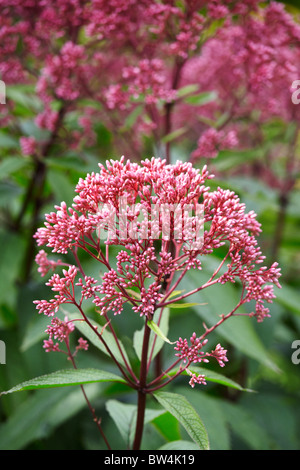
[142, 251]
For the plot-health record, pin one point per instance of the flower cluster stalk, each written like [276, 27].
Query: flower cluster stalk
[148, 271]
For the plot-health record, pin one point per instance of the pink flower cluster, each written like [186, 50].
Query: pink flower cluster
[193, 353]
[212, 141]
[60, 330]
[250, 65]
[28, 145]
[124, 54]
[147, 78]
[144, 275]
[199, 379]
[45, 265]
[65, 288]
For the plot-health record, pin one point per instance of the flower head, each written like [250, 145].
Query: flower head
[141, 210]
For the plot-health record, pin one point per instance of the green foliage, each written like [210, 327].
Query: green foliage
[223, 414]
[65, 378]
[182, 410]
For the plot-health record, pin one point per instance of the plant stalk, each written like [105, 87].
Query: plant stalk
[141, 391]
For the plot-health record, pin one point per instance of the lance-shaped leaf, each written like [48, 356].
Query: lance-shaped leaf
[158, 335]
[125, 415]
[154, 327]
[91, 335]
[64, 378]
[183, 411]
[201, 98]
[212, 376]
[186, 304]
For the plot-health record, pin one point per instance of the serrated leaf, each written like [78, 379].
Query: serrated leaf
[183, 411]
[208, 407]
[64, 378]
[122, 415]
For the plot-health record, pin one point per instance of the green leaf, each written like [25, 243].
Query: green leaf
[174, 135]
[12, 257]
[244, 425]
[136, 295]
[154, 327]
[8, 193]
[132, 117]
[35, 332]
[179, 445]
[12, 164]
[183, 411]
[201, 98]
[124, 415]
[61, 186]
[208, 407]
[187, 90]
[93, 338]
[154, 336]
[7, 141]
[229, 159]
[41, 413]
[155, 339]
[212, 376]
[274, 417]
[168, 427]
[68, 162]
[289, 298]
[175, 293]
[24, 95]
[64, 378]
[185, 305]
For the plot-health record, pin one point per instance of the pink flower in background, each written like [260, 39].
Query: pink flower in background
[135, 57]
[212, 141]
[150, 256]
[28, 145]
